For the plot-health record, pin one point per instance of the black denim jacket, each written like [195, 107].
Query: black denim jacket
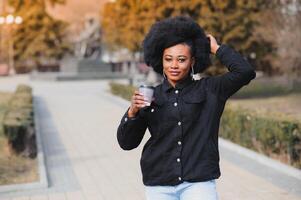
[184, 124]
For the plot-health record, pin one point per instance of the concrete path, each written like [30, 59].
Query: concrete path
[84, 161]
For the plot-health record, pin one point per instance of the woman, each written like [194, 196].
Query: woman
[180, 161]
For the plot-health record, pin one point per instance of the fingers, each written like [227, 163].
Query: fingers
[139, 104]
[212, 39]
[213, 43]
[138, 100]
[137, 92]
[137, 97]
[210, 36]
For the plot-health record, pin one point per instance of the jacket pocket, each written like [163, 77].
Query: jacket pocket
[194, 98]
[193, 105]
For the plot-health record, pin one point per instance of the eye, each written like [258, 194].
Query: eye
[168, 59]
[181, 60]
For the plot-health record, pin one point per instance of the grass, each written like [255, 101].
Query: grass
[280, 107]
[13, 169]
[266, 88]
[16, 169]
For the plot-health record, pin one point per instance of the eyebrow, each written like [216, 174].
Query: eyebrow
[177, 56]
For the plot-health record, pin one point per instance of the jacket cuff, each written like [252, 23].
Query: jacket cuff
[221, 51]
[126, 119]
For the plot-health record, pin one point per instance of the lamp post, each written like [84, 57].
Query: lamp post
[10, 20]
[4, 68]
[2, 22]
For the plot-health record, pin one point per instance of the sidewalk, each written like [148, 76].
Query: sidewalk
[79, 122]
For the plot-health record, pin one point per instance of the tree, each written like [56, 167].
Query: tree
[230, 21]
[281, 25]
[112, 24]
[233, 22]
[126, 22]
[40, 37]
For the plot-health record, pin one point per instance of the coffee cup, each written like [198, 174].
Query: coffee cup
[147, 92]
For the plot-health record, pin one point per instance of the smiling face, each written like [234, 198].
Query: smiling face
[177, 61]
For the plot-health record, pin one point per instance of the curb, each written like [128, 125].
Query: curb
[260, 158]
[71, 76]
[43, 180]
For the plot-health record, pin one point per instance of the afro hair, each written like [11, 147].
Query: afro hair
[173, 31]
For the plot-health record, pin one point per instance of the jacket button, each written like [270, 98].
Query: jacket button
[179, 142]
[175, 104]
[179, 178]
[179, 123]
[177, 91]
[126, 119]
[152, 110]
[178, 160]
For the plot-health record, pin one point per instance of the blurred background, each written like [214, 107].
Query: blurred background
[74, 40]
[76, 36]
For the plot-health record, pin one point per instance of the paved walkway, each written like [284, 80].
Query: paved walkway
[84, 161]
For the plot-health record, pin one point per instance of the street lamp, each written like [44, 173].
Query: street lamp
[18, 20]
[2, 20]
[10, 20]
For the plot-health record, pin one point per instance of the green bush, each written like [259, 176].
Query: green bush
[124, 91]
[274, 137]
[24, 89]
[18, 119]
[4, 99]
[2, 111]
[21, 101]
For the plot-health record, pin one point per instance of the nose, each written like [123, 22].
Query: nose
[174, 64]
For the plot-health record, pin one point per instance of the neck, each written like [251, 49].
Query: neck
[172, 83]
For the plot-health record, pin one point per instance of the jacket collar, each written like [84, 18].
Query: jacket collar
[179, 85]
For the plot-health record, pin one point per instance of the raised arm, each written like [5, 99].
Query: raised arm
[240, 71]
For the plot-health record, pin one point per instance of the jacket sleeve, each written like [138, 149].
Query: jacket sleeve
[240, 73]
[131, 131]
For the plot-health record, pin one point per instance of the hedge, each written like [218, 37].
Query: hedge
[124, 91]
[18, 123]
[275, 137]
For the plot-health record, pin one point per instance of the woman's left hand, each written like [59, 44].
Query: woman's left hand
[213, 44]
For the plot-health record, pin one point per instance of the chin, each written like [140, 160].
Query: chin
[176, 78]
[173, 78]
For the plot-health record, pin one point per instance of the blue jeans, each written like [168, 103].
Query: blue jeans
[184, 191]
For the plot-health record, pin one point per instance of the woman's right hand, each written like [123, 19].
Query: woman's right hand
[137, 103]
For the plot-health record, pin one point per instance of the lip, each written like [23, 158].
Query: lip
[174, 73]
